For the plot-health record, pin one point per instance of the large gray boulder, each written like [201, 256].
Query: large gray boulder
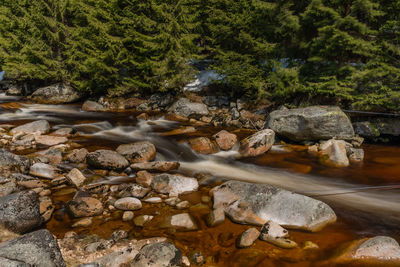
[162, 254]
[311, 123]
[38, 248]
[20, 212]
[258, 203]
[41, 126]
[185, 108]
[10, 163]
[55, 94]
[106, 159]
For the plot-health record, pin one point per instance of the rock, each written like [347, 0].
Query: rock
[277, 235]
[183, 205]
[366, 129]
[247, 238]
[55, 94]
[138, 191]
[143, 178]
[203, 145]
[77, 155]
[174, 184]
[84, 207]
[10, 163]
[89, 105]
[153, 200]
[27, 181]
[142, 116]
[41, 126]
[311, 123]
[158, 254]
[333, 153]
[356, 155]
[44, 170]
[11, 263]
[106, 159]
[142, 220]
[127, 216]
[216, 217]
[20, 212]
[259, 203]
[38, 248]
[160, 166]
[67, 131]
[14, 90]
[375, 250]
[128, 203]
[257, 144]
[83, 222]
[185, 108]
[225, 140]
[197, 258]
[53, 154]
[309, 245]
[119, 235]
[181, 221]
[7, 186]
[76, 178]
[49, 140]
[138, 152]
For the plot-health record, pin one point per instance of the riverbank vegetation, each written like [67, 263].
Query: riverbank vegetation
[296, 52]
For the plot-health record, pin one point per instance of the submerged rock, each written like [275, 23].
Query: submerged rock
[174, 184]
[158, 254]
[106, 159]
[38, 248]
[257, 144]
[10, 163]
[259, 203]
[41, 126]
[160, 166]
[55, 94]
[85, 207]
[247, 238]
[138, 152]
[185, 108]
[181, 221]
[20, 212]
[311, 123]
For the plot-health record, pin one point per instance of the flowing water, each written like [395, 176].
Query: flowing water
[365, 196]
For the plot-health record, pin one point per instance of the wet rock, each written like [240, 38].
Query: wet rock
[41, 126]
[67, 131]
[7, 186]
[143, 178]
[216, 217]
[53, 154]
[333, 153]
[44, 170]
[159, 166]
[27, 181]
[277, 235]
[38, 248]
[138, 152]
[185, 108]
[84, 207]
[128, 203]
[153, 200]
[203, 145]
[89, 105]
[76, 178]
[174, 184]
[106, 159]
[20, 212]
[119, 235]
[158, 254]
[183, 205]
[257, 144]
[309, 245]
[172, 201]
[311, 123]
[127, 216]
[247, 238]
[356, 155]
[138, 191]
[142, 116]
[55, 94]
[197, 258]
[142, 220]
[10, 163]
[258, 203]
[181, 221]
[84, 222]
[179, 131]
[225, 140]
[49, 140]
[77, 155]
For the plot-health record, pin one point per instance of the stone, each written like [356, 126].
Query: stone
[247, 238]
[258, 203]
[138, 152]
[185, 108]
[10, 163]
[89, 105]
[183, 205]
[7, 186]
[143, 178]
[138, 191]
[197, 258]
[225, 140]
[153, 200]
[216, 217]
[203, 145]
[106, 159]
[366, 129]
[333, 153]
[44, 171]
[49, 140]
[41, 126]
[128, 203]
[76, 178]
[38, 248]
[77, 155]
[27, 181]
[83, 222]
[161, 254]
[356, 155]
[66, 131]
[53, 154]
[119, 235]
[257, 144]
[174, 184]
[20, 212]
[142, 116]
[156, 166]
[181, 221]
[14, 90]
[311, 123]
[142, 220]
[84, 207]
[277, 235]
[55, 94]
[127, 216]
